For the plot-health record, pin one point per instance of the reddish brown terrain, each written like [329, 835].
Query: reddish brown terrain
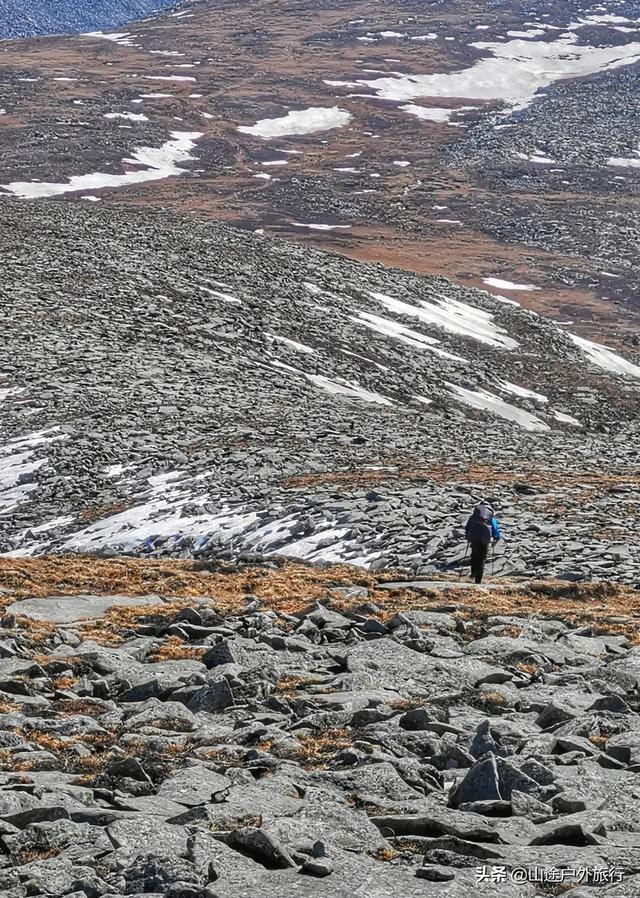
[456, 207]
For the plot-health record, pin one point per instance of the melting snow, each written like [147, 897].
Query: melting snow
[300, 347]
[513, 72]
[455, 317]
[522, 391]
[303, 121]
[604, 357]
[507, 285]
[621, 162]
[483, 399]
[403, 334]
[170, 77]
[158, 163]
[225, 297]
[566, 419]
[16, 460]
[129, 116]
[434, 113]
[320, 227]
[124, 38]
[337, 388]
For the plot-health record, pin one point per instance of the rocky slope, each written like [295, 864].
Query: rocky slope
[26, 18]
[450, 138]
[314, 737]
[175, 387]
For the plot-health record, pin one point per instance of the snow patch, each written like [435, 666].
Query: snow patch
[337, 387]
[604, 357]
[320, 227]
[486, 401]
[303, 121]
[403, 334]
[513, 71]
[158, 164]
[129, 116]
[507, 285]
[434, 113]
[299, 347]
[522, 391]
[453, 316]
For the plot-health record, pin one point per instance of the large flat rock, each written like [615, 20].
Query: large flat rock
[68, 609]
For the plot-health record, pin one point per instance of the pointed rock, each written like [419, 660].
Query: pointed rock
[480, 783]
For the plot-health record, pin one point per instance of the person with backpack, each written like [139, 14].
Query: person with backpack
[482, 527]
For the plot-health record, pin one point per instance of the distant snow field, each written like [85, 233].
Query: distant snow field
[513, 71]
[438, 114]
[303, 121]
[628, 162]
[453, 316]
[604, 357]
[507, 285]
[320, 227]
[158, 163]
[128, 116]
[486, 401]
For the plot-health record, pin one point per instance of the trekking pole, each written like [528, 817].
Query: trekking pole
[463, 561]
[493, 557]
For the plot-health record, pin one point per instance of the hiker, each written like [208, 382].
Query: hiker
[482, 527]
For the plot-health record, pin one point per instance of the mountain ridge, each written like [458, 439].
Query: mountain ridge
[40, 18]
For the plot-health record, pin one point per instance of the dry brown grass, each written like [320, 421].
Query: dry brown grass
[317, 749]
[287, 686]
[531, 670]
[607, 607]
[64, 682]
[34, 632]
[7, 707]
[173, 649]
[28, 855]
[291, 585]
[492, 698]
[386, 854]
[542, 478]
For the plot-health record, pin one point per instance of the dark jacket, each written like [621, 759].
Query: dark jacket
[491, 521]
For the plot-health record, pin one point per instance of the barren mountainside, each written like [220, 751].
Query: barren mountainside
[286, 288]
[172, 386]
[27, 18]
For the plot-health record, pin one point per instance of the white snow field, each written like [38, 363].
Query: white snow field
[626, 162]
[604, 357]
[483, 399]
[438, 114]
[403, 333]
[513, 71]
[336, 387]
[455, 317]
[523, 392]
[303, 121]
[320, 227]
[157, 163]
[128, 116]
[499, 284]
[17, 461]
